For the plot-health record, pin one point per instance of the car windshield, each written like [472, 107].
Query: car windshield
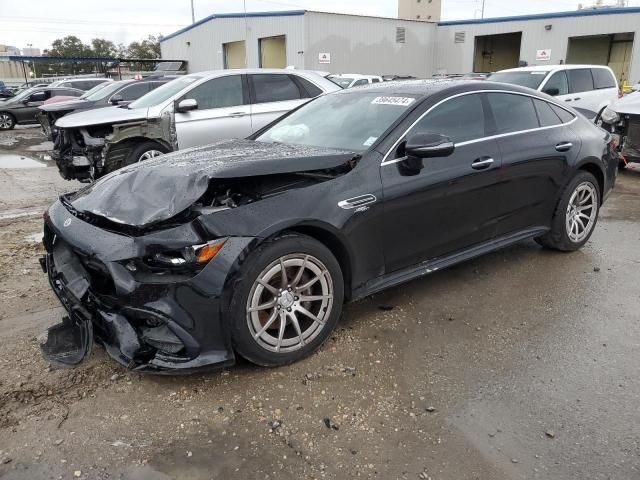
[163, 93]
[342, 121]
[343, 82]
[531, 79]
[93, 92]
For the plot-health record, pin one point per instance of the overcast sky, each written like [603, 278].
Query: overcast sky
[39, 22]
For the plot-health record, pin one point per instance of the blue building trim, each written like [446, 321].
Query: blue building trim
[283, 13]
[543, 16]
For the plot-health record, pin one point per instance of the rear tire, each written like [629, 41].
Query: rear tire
[276, 322]
[576, 215]
[7, 121]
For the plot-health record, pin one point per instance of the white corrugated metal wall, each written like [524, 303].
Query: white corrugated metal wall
[369, 45]
[452, 57]
[205, 51]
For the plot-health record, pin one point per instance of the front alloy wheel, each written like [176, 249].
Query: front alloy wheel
[149, 154]
[289, 303]
[286, 300]
[6, 121]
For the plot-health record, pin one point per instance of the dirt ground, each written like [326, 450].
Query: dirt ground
[523, 364]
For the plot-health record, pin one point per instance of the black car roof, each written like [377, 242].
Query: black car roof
[427, 88]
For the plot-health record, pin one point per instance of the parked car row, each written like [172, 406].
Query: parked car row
[251, 246]
[190, 111]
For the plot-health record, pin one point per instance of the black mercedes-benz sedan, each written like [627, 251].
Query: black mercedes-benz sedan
[251, 247]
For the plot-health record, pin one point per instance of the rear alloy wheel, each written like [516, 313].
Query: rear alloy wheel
[576, 215]
[582, 211]
[7, 122]
[288, 302]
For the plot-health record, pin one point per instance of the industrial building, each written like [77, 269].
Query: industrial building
[373, 45]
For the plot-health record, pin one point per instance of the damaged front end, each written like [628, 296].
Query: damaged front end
[149, 256]
[152, 306]
[86, 153]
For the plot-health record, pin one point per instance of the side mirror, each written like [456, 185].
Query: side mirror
[116, 99]
[187, 105]
[551, 91]
[428, 145]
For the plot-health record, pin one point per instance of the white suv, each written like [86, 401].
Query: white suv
[591, 87]
[350, 80]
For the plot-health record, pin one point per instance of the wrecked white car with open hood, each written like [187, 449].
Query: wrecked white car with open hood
[189, 111]
[622, 119]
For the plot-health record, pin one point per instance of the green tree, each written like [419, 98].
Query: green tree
[103, 48]
[70, 46]
[147, 48]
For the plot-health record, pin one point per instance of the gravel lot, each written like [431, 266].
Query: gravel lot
[523, 364]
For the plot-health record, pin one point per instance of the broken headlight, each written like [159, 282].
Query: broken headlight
[196, 255]
[609, 116]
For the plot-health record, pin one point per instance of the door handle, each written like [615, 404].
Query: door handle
[237, 114]
[578, 98]
[482, 163]
[564, 146]
[567, 100]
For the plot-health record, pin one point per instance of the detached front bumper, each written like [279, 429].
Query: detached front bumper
[149, 325]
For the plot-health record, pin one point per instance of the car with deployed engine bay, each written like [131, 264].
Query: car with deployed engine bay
[251, 247]
[107, 94]
[190, 111]
[622, 119]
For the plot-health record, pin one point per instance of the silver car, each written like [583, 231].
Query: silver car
[189, 111]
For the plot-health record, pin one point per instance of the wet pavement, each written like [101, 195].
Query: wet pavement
[523, 364]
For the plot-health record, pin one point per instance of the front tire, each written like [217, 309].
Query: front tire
[7, 121]
[576, 215]
[287, 301]
[145, 151]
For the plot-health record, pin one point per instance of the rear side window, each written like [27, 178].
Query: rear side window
[133, 92]
[274, 88]
[546, 115]
[559, 82]
[461, 119]
[513, 113]
[375, 80]
[360, 82]
[64, 93]
[218, 93]
[563, 114]
[603, 78]
[580, 80]
[311, 90]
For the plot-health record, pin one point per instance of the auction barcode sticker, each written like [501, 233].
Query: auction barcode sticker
[400, 101]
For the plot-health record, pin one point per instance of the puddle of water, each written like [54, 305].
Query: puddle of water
[42, 147]
[10, 160]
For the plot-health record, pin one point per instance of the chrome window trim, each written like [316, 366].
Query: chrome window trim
[477, 140]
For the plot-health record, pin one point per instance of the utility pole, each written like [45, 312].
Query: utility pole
[193, 14]
[482, 14]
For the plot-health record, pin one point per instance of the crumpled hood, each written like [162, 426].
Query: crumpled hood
[629, 104]
[101, 116]
[160, 188]
[66, 105]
